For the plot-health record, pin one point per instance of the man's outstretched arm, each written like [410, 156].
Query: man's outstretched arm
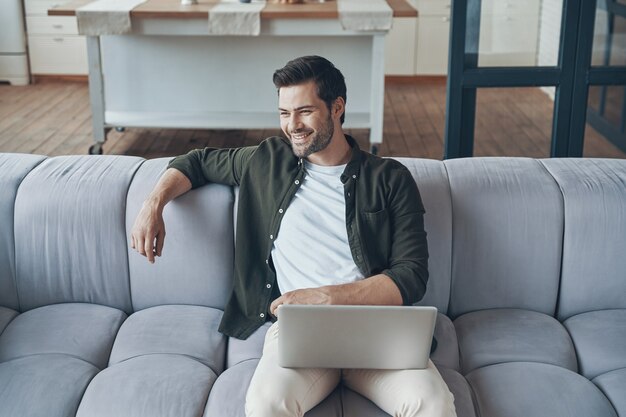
[148, 232]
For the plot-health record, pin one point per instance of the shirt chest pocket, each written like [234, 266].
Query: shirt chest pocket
[376, 235]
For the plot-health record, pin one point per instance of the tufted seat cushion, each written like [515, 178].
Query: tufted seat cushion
[173, 329]
[164, 362]
[79, 330]
[148, 386]
[613, 384]
[523, 389]
[600, 340]
[488, 337]
[43, 385]
[6, 315]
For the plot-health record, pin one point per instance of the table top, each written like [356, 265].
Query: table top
[173, 9]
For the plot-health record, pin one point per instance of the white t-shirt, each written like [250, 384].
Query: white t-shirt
[312, 249]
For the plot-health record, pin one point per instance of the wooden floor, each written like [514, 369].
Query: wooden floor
[53, 118]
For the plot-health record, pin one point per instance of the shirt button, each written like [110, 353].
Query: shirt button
[269, 285]
[354, 176]
[280, 211]
[297, 182]
[262, 315]
[267, 261]
[348, 194]
[271, 236]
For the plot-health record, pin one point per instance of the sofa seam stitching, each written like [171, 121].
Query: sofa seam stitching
[17, 291]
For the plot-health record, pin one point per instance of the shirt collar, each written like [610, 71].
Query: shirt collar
[354, 166]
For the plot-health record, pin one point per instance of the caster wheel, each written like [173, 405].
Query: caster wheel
[374, 150]
[120, 129]
[95, 149]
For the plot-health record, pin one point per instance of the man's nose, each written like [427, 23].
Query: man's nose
[295, 122]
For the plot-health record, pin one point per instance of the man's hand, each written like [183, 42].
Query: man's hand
[376, 290]
[317, 296]
[148, 233]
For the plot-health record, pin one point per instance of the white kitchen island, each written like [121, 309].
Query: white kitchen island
[170, 73]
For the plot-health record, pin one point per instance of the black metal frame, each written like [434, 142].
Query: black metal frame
[605, 76]
[571, 78]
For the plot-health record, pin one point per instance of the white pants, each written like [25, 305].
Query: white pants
[283, 392]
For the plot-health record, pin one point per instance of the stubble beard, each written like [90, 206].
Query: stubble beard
[319, 141]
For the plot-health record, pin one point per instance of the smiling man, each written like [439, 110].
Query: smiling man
[319, 222]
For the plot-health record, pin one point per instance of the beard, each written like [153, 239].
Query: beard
[318, 141]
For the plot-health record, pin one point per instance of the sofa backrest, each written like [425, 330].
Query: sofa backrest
[65, 236]
[70, 241]
[507, 231]
[594, 256]
[432, 181]
[13, 169]
[197, 263]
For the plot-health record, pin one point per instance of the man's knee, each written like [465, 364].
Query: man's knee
[437, 403]
[263, 400]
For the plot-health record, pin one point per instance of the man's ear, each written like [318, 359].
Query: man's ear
[339, 107]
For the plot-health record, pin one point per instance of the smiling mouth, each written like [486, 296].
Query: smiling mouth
[300, 136]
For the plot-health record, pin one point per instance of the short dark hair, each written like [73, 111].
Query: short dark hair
[328, 79]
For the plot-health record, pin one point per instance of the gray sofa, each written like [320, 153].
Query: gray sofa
[527, 262]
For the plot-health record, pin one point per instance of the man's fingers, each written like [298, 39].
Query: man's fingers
[160, 239]
[149, 248]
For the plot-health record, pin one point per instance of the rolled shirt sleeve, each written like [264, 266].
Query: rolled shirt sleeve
[222, 166]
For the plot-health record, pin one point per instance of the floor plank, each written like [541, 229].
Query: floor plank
[53, 118]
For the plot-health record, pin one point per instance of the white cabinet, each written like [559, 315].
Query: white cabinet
[54, 46]
[400, 47]
[509, 36]
[433, 34]
[419, 46]
[509, 33]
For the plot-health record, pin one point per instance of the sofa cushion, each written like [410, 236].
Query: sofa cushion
[6, 315]
[43, 385]
[148, 386]
[70, 242]
[13, 169]
[446, 353]
[507, 235]
[594, 197]
[84, 331]
[250, 348]
[432, 181]
[600, 340]
[196, 266]
[507, 335]
[182, 330]
[227, 397]
[613, 384]
[524, 389]
[461, 390]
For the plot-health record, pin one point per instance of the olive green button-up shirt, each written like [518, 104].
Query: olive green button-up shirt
[384, 220]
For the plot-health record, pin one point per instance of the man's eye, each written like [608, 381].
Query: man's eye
[284, 114]
[306, 111]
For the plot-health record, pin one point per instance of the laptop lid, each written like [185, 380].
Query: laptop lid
[355, 337]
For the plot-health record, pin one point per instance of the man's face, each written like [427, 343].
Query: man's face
[305, 119]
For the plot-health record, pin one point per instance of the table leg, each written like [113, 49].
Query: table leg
[96, 94]
[377, 101]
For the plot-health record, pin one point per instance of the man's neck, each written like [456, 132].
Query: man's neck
[338, 152]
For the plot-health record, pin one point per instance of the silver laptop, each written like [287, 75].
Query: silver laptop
[355, 337]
